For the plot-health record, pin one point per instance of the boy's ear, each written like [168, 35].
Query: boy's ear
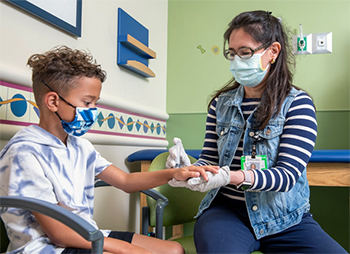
[51, 101]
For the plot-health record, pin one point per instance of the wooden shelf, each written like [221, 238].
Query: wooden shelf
[137, 46]
[133, 53]
[139, 68]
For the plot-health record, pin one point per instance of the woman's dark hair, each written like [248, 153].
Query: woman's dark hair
[265, 28]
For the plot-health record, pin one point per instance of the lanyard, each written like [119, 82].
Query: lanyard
[257, 138]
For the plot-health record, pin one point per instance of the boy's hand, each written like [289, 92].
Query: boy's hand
[202, 184]
[185, 173]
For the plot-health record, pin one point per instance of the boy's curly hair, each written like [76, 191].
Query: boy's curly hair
[59, 68]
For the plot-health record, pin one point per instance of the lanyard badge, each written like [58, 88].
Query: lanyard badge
[252, 162]
[258, 162]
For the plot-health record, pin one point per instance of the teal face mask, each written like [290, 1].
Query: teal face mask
[248, 72]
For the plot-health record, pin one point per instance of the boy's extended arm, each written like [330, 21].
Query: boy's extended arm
[131, 182]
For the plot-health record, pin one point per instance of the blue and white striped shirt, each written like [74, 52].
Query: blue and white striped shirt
[296, 145]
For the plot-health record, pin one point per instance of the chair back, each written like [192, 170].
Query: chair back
[4, 240]
[183, 203]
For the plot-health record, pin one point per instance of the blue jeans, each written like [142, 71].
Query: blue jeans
[225, 228]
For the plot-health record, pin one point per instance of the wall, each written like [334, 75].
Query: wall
[195, 71]
[123, 92]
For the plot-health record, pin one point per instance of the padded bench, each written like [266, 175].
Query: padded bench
[325, 168]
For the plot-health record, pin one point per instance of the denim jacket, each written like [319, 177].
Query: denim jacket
[269, 212]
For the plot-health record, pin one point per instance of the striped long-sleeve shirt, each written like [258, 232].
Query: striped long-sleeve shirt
[296, 145]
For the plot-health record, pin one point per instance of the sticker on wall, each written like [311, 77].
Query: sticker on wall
[215, 49]
[201, 49]
[133, 51]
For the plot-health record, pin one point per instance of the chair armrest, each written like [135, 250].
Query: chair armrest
[162, 202]
[151, 192]
[100, 183]
[156, 195]
[82, 227]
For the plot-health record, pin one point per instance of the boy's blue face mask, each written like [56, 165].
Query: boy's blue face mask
[83, 121]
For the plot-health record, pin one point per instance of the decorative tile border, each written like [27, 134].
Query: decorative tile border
[18, 107]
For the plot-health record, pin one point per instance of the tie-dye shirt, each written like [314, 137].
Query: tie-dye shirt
[35, 163]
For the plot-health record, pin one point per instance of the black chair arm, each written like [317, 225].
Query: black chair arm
[82, 227]
[100, 183]
[162, 202]
[145, 220]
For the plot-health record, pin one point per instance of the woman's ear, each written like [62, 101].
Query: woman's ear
[275, 49]
[51, 101]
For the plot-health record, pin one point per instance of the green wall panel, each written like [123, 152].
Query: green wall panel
[189, 127]
[195, 25]
[333, 129]
[330, 208]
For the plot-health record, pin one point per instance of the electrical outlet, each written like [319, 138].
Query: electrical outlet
[302, 46]
[322, 43]
[301, 43]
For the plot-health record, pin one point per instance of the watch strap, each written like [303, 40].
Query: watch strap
[247, 177]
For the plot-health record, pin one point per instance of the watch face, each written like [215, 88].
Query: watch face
[245, 186]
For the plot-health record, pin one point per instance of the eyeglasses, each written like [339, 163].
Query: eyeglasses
[244, 52]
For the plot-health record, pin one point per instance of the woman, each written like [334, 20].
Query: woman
[261, 116]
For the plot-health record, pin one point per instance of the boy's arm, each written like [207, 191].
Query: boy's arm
[64, 237]
[60, 234]
[146, 180]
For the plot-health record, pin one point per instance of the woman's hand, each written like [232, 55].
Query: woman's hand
[182, 174]
[214, 179]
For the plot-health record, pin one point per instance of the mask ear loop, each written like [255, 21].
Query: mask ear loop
[260, 59]
[58, 95]
[60, 98]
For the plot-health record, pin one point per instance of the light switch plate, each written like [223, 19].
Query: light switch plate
[321, 43]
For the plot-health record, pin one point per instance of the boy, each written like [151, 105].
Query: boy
[51, 162]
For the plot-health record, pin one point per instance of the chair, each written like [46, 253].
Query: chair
[82, 227]
[179, 207]
[4, 240]
[63, 215]
[173, 206]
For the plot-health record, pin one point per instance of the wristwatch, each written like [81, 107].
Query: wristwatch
[247, 180]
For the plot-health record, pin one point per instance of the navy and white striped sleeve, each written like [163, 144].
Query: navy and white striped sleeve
[209, 154]
[296, 145]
